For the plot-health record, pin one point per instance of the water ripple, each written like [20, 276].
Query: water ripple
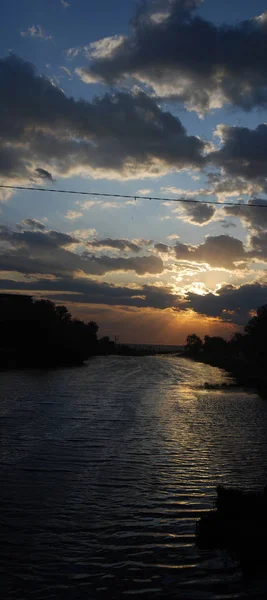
[104, 471]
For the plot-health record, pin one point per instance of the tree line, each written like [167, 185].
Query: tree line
[40, 333]
[245, 354]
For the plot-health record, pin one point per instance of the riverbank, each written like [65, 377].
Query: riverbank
[144, 350]
[54, 358]
[245, 373]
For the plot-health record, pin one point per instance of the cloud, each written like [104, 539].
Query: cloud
[118, 136]
[197, 213]
[175, 191]
[35, 259]
[36, 31]
[123, 245]
[83, 234]
[73, 214]
[140, 264]
[32, 224]
[44, 174]
[94, 292]
[222, 251]
[105, 205]
[226, 224]
[226, 187]
[221, 64]
[66, 71]
[64, 3]
[251, 215]
[218, 184]
[243, 153]
[162, 248]
[258, 245]
[191, 210]
[72, 52]
[231, 303]
[144, 192]
[30, 252]
[33, 249]
[242, 159]
[105, 47]
[87, 204]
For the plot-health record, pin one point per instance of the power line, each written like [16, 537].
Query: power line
[129, 196]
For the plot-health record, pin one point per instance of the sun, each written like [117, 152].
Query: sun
[198, 287]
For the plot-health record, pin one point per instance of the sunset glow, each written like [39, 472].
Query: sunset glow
[90, 105]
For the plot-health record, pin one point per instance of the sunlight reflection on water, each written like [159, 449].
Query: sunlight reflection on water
[105, 469]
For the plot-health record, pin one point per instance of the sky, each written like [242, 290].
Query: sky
[163, 98]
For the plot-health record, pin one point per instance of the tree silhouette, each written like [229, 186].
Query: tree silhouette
[245, 355]
[193, 345]
[254, 342]
[63, 313]
[214, 345]
[40, 333]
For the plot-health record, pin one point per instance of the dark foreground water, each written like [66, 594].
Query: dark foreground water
[104, 471]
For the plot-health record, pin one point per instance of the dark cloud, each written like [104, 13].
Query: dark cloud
[186, 58]
[14, 162]
[221, 251]
[162, 248]
[122, 244]
[197, 213]
[44, 174]
[30, 224]
[224, 186]
[50, 267]
[258, 245]
[243, 153]
[35, 239]
[230, 303]
[84, 290]
[30, 252]
[253, 217]
[119, 135]
[140, 264]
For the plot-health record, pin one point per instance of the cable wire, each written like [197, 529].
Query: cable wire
[129, 196]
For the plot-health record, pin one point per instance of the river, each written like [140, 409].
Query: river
[104, 471]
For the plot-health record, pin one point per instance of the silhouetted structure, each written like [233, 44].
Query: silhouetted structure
[38, 333]
[239, 524]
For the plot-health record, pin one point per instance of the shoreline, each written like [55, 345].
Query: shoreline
[244, 373]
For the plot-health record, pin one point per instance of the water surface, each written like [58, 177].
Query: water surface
[104, 471]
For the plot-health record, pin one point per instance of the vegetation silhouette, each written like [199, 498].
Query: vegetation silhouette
[245, 355]
[38, 333]
[239, 525]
